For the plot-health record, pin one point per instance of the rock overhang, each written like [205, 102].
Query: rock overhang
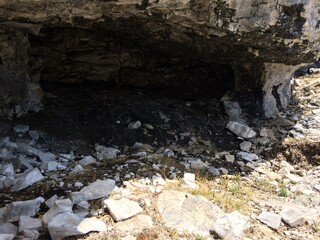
[251, 38]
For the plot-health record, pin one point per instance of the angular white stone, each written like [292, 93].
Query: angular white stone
[106, 152]
[185, 212]
[95, 190]
[292, 216]
[229, 158]
[21, 128]
[68, 224]
[231, 225]
[34, 134]
[241, 130]
[248, 156]
[293, 178]
[8, 170]
[47, 156]
[122, 209]
[59, 206]
[27, 180]
[28, 223]
[22, 208]
[134, 125]
[271, 219]
[87, 160]
[7, 230]
[245, 146]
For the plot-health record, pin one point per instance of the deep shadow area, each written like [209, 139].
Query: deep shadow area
[98, 113]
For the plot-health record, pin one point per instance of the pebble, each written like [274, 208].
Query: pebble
[21, 128]
[241, 130]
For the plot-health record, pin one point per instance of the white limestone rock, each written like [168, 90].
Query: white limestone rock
[68, 224]
[231, 225]
[95, 190]
[187, 213]
[241, 130]
[20, 128]
[106, 152]
[87, 160]
[27, 180]
[122, 209]
[59, 206]
[28, 223]
[245, 146]
[248, 156]
[47, 156]
[273, 220]
[134, 125]
[292, 216]
[17, 209]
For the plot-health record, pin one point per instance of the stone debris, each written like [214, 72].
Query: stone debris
[7, 230]
[245, 146]
[136, 224]
[17, 209]
[21, 128]
[68, 224]
[28, 223]
[241, 130]
[231, 225]
[134, 125]
[248, 156]
[271, 219]
[47, 156]
[122, 209]
[87, 160]
[27, 180]
[59, 206]
[292, 216]
[95, 190]
[103, 152]
[178, 211]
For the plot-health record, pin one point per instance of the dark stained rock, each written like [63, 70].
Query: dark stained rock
[214, 46]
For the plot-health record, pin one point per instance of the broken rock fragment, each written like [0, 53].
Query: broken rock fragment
[271, 219]
[95, 190]
[22, 208]
[27, 180]
[122, 209]
[68, 224]
[231, 225]
[241, 130]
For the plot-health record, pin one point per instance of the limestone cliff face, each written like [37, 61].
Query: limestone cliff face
[160, 42]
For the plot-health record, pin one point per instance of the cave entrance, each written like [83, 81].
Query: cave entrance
[100, 56]
[98, 81]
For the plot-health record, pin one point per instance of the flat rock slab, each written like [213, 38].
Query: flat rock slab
[185, 212]
[22, 208]
[271, 219]
[69, 224]
[231, 225]
[122, 209]
[292, 216]
[27, 180]
[95, 190]
[136, 223]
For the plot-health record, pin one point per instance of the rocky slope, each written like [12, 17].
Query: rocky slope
[264, 185]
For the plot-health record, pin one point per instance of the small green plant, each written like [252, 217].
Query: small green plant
[198, 237]
[234, 188]
[283, 192]
[316, 226]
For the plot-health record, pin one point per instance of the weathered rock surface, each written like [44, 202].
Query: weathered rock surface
[68, 224]
[231, 225]
[95, 190]
[22, 208]
[178, 211]
[70, 42]
[122, 209]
